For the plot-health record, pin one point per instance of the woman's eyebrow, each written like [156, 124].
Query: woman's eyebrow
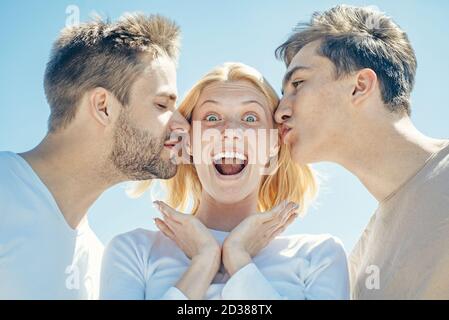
[259, 104]
[208, 101]
[256, 102]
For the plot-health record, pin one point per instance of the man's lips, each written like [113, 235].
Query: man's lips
[170, 143]
[284, 131]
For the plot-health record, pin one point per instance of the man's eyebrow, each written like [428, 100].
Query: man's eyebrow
[289, 74]
[169, 95]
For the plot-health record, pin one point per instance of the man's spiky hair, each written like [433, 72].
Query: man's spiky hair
[360, 37]
[101, 53]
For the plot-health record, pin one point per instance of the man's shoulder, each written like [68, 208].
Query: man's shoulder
[10, 168]
[435, 179]
[429, 183]
[7, 159]
[443, 163]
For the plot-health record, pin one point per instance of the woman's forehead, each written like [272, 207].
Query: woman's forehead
[234, 91]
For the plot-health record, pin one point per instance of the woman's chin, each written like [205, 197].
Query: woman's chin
[229, 196]
[230, 188]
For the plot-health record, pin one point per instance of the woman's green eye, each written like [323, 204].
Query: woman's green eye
[212, 117]
[250, 118]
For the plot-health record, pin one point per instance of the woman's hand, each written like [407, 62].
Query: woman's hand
[198, 244]
[189, 233]
[254, 233]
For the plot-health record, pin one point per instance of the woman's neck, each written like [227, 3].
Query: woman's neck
[222, 216]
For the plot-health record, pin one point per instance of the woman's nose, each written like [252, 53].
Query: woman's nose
[283, 112]
[232, 130]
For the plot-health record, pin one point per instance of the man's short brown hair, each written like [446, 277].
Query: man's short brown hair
[354, 38]
[103, 54]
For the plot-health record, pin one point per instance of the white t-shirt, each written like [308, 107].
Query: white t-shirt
[41, 256]
[144, 264]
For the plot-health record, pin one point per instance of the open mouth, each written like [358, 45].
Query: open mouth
[230, 163]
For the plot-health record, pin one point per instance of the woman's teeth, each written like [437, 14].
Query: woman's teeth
[229, 155]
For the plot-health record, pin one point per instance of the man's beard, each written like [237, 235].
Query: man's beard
[137, 154]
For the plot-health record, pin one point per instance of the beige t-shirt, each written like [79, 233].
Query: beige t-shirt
[404, 251]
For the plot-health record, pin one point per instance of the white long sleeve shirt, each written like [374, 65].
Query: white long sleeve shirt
[41, 256]
[144, 264]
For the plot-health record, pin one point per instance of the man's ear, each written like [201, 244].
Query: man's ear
[100, 105]
[364, 86]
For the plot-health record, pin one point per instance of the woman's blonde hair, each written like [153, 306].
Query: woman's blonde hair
[289, 181]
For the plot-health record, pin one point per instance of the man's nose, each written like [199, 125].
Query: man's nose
[178, 123]
[283, 111]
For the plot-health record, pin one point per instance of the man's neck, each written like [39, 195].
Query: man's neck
[74, 173]
[384, 158]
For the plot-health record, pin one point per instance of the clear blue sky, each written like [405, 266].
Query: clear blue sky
[215, 32]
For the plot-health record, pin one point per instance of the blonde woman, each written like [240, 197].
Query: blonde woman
[245, 191]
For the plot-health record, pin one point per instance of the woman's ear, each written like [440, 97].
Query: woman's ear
[365, 85]
[100, 105]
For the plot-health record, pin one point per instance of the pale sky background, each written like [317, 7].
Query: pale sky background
[214, 32]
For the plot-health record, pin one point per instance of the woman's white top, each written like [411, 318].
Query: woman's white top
[144, 264]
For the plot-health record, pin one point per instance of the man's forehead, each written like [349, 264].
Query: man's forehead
[160, 67]
[160, 77]
[306, 57]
